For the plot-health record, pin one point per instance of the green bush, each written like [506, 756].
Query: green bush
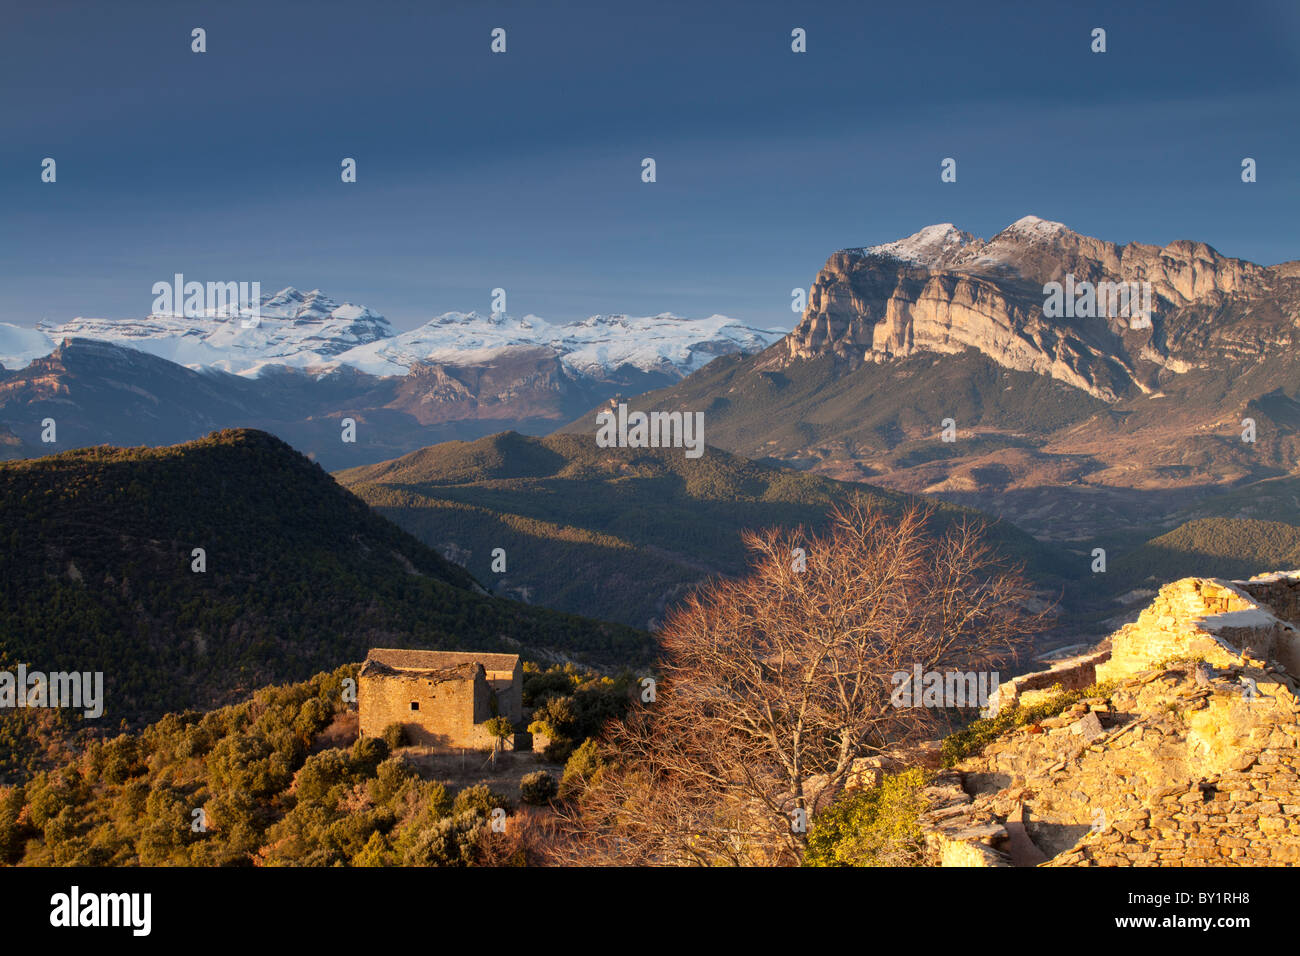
[973, 738]
[367, 754]
[500, 727]
[11, 805]
[321, 773]
[448, 842]
[376, 852]
[395, 736]
[391, 777]
[538, 788]
[480, 798]
[582, 769]
[876, 826]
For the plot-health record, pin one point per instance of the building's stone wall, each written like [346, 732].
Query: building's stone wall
[442, 699]
[453, 705]
[1073, 673]
[1217, 621]
[508, 688]
[1279, 590]
[1192, 757]
[956, 834]
[1248, 817]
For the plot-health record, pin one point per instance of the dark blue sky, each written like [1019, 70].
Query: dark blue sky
[522, 170]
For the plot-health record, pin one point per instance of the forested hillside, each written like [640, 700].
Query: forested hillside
[98, 573]
[617, 534]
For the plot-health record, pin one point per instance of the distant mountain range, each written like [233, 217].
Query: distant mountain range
[309, 363]
[1077, 424]
[1070, 425]
[310, 330]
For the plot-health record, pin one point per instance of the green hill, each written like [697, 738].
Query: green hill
[1271, 499]
[1212, 547]
[611, 533]
[96, 575]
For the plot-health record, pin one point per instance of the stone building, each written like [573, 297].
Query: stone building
[443, 699]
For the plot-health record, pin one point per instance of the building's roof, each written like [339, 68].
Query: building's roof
[464, 671]
[404, 659]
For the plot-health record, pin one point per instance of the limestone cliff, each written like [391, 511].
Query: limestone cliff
[943, 291]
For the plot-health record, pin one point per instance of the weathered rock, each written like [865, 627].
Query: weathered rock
[1189, 769]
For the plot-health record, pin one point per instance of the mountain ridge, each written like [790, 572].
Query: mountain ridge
[310, 330]
[929, 365]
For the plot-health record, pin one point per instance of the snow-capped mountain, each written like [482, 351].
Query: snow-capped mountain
[299, 329]
[311, 330]
[595, 347]
[944, 246]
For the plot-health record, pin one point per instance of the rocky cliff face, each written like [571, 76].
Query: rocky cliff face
[1089, 386]
[944, 291]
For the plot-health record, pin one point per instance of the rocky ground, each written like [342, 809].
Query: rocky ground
[1186, 753]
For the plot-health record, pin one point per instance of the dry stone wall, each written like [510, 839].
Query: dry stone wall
[1189, 756]
[450, 705]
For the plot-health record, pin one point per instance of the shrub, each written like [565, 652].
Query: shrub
[312, 718]
[480, 798]
[320, 773]
[538, 788]
[558, 750]
[376, 852]
[556, 717]
[367, 754]
[11, 806]
[872, 827]
[120, 756]
[500, 727]
[395, 736]
[584, 767]
[448, 842]
[390, 777]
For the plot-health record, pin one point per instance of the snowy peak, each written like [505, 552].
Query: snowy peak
[310, 330]
[944, 246]
[289, 303]
[1031, 227]
[930, 247]
[292, 305]
[294, 328]
[1031, 248]
[592, 347]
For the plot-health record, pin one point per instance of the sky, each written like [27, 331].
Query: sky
[522, 170]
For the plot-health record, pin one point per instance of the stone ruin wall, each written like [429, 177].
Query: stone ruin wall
[1247, 817]
[456, 705]
[508, 686]
[1185, 769]
[1216, 620]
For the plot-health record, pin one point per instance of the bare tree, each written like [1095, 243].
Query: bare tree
[787, 675]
